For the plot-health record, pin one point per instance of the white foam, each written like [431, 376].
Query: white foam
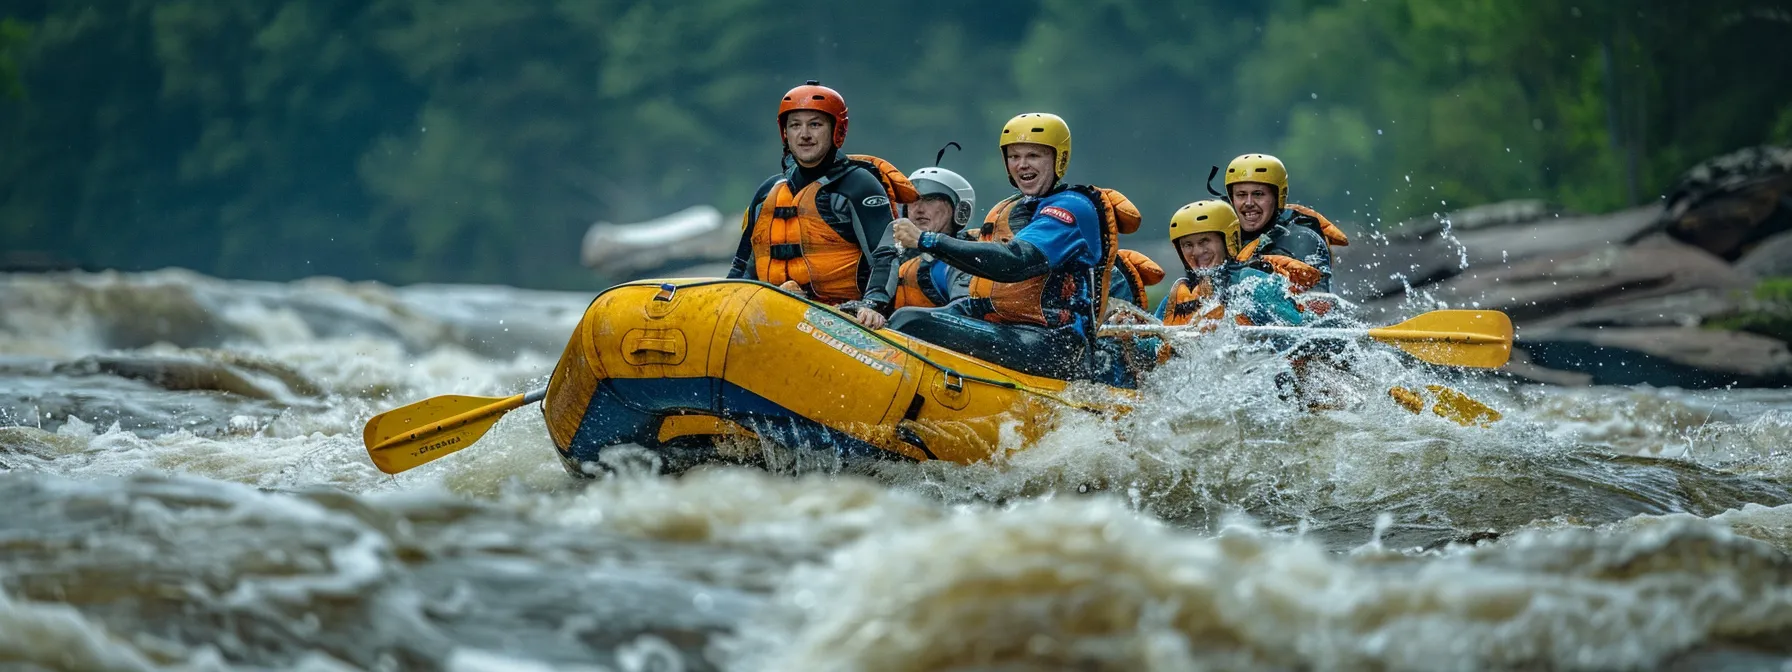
[1089, 584]
[57, 636]
[744, 508]
[477, 660]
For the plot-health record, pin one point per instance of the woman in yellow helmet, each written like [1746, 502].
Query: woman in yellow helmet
[1206, 235]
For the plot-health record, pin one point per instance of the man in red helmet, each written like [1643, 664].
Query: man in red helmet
[812, 227]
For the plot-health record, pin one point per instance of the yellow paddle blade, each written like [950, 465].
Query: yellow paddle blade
[409, 436]
[1461, 408]
[1471, 338]
[1407, 399]
[1451, 404]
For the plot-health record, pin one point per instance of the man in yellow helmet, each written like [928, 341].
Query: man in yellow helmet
[1207, 236]
[1039, 274]
[1293, 240]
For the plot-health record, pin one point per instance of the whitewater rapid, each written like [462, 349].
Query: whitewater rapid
[181, 460]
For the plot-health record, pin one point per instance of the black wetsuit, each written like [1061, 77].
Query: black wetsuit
[1293, 235]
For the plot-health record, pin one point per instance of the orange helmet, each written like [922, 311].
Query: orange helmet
[813, 96]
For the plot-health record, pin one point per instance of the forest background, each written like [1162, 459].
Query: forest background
[475, 141]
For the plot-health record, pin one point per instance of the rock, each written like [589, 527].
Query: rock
[1369, 271]
[1719, 175]
[1689, 309]
[1731, 225]
[1558, 236]
[1663, 356]
[1522, 368]
[688, 237]
[1771, 258]
[1503, 213]
[1604, 277]
[1728, 203]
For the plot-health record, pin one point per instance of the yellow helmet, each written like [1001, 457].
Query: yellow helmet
[1204, 216]
[1040, 128]
[1261, 168]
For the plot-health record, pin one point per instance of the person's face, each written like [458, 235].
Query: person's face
[1255, 203]
[1206, 249]
[810, 135]
[1030, 166]
[931, 213]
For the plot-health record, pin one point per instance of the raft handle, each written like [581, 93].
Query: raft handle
[954, 382]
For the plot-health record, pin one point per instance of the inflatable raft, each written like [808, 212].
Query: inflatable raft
[687, 367]
[681, 367]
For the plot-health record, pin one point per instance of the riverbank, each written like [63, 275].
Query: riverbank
[1680, 293]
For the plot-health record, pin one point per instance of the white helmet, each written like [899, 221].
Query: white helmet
[935, 180]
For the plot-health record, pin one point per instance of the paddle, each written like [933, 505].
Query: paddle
[1468, 338]
[410, 436]
[1452, 404]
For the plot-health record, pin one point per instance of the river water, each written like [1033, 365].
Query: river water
[185, 489]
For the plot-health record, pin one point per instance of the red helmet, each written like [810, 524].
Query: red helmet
[813, 96]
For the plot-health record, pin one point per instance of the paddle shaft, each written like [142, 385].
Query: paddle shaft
[1171, 330]
[1334, 332]
[1470, 338]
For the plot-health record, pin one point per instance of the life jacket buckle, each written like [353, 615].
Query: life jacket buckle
[783, 211]
[787, 251]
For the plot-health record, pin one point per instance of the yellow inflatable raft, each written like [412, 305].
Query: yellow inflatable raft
[675, 365]
[683, 367]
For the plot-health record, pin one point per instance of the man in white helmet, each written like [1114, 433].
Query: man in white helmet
[945, 206]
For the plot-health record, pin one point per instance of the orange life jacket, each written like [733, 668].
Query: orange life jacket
[792, 242]
[896, 185]
[1301, 275]
[1140, 273]
[910, 292]
[1333, 235]
[1024, 302]
[1188, 305]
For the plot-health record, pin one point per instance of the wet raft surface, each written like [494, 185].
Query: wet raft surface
[209, 506]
